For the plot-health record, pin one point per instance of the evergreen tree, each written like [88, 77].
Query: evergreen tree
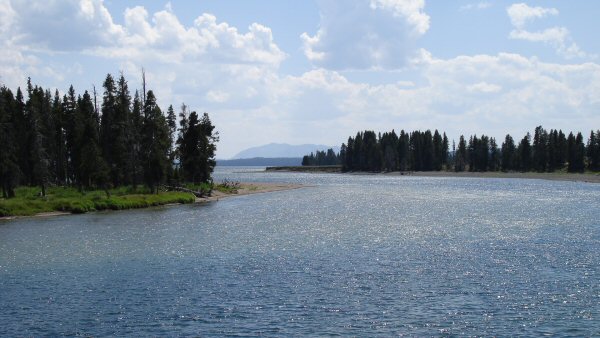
[540, 149]
[38, 156]
[438, 151]
[593, 151]
[91, 171]
[524, 154]
[389, 145]
[444, 152]
[136, 122]
[61, 159]
[108, 128]
[461, 155]
[197, 148]
[576, 153]
[403, 151]
[509, 150]
[494, 163]
[73, 129]
[120, 130]
[155, 140]
[9, 162]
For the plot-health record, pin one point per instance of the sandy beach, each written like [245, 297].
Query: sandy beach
[249, 189]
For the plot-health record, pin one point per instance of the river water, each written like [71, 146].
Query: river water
[346, 255]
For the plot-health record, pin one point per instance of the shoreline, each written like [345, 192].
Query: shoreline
[245, 189]
[250, 189]
[553, 176]
[565, 177]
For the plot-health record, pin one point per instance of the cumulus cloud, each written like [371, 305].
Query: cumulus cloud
[86, 25]
[361, 34]
[557, 37]
[521, 13]
[64, 25]
[467, 94]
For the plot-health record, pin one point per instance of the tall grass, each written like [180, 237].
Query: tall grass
[29, 202]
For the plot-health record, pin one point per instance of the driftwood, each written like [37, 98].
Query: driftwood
[196, 193]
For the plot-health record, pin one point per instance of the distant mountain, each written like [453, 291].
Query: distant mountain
[261, 162]
[282, 150]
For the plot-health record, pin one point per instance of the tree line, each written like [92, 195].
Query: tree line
[322, 157]
[546, 151]
[75, 140]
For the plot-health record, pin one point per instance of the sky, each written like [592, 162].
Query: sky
[318, 71]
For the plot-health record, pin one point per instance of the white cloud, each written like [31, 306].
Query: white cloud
[495, 95]
[86, 25]
[557, 37]
[234, 76]
[477, 6]
[64, 25]
[410, 10]
[484, 87]
[521, 13]
[361, 34]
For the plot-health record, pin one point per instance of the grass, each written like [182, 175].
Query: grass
[28, 202]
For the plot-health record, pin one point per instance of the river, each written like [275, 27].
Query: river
[361, 255]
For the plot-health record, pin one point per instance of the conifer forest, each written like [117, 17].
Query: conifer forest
[102, 140]
[546, 151]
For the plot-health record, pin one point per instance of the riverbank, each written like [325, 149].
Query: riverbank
[570, 177]
[249, 189]
[554, 176]
[64, 201]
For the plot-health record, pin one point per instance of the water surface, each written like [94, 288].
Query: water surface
[348, 255]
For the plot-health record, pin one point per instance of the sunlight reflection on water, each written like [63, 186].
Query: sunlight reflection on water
[349, 255]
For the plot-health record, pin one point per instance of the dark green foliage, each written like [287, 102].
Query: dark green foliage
[460, 160]
[540, 149]
[576, 153]
[593, 151]
[9, 165]
[320, 158]
[196, 147]
[46, 140]
[155, 140]
[424, 151]
[509, 154]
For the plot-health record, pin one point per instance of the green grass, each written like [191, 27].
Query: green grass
[28, 202]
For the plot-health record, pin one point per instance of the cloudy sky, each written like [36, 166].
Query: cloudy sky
[316, 71]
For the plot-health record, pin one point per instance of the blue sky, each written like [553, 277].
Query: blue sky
[319, 71]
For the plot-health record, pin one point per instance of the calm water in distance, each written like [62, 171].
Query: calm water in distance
[347, 255]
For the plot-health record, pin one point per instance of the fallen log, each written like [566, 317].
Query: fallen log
[196, 193]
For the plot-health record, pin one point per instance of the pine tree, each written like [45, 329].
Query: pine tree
[155, 140]
[575, 153]
[38, 156]
[9, 163]
[524, 154]
[444, 153]
[593, 151]
[460, 160]
[92, 171]
[438, 151]
[109, 126]
[508, 154]
[120, 130]
[540, 149]
[136, 121]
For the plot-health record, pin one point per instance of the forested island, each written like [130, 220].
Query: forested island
[115, 143]
[547, 151]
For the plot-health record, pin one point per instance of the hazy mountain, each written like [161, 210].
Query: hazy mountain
[261, 162]
[282, 150]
